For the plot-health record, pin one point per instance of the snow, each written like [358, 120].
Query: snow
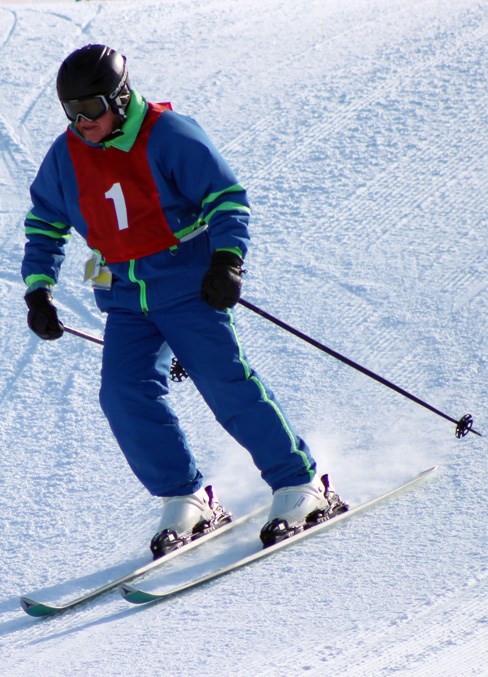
[359, 127]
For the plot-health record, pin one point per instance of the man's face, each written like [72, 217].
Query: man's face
[96, 130]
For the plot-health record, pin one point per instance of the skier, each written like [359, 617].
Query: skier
[167, 223]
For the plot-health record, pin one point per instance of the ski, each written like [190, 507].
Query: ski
[40, 609]
[139, 596]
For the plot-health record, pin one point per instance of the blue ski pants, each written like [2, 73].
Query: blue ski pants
[137, 354]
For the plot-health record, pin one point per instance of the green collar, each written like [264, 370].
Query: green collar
[136, 113]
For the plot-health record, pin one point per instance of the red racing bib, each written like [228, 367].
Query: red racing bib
[118, 196]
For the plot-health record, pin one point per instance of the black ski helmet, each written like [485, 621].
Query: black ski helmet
[95, 70]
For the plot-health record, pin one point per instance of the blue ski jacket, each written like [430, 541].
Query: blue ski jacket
[196, 190]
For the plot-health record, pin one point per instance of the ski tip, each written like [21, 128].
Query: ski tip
[430, 470]
[37, 609]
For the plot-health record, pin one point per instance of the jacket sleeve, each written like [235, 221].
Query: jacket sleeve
[46, 227]
[203, 176]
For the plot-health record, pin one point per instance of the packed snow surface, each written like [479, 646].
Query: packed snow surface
[360, 130]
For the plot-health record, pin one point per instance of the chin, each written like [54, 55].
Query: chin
[92, 136]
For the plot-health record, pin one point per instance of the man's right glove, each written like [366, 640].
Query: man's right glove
[42, 317]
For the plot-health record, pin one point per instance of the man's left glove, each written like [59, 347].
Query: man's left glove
[42, 317]
[221, 285]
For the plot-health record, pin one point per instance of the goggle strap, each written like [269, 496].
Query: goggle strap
[121, 84]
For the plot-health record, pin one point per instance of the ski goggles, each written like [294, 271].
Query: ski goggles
[90, 108]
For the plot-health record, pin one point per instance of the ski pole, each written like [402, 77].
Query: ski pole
[82, 334]
[463, 426]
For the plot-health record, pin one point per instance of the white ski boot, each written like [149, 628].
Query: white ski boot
[185, 518]
[300, 507]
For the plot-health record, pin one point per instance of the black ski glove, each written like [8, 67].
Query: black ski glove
[42, 317]
[221, 285]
